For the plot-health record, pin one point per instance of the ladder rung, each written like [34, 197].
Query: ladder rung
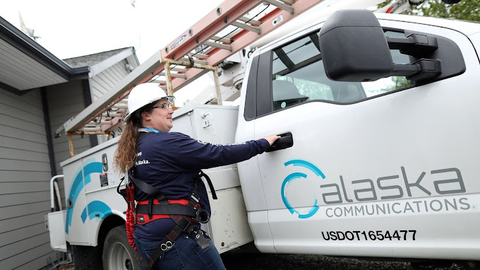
[281, 5]
[179, 69]
[160, 82]
[290, 2]
[218, 45]
[250, 21]
[247, 27]
[91, 129]
[199, 55]
[195, 61]
[106, 122]
[174, 75]
[110, 113]
[120, 106]
[222, 39]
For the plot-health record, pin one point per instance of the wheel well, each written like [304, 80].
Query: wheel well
[109, 223]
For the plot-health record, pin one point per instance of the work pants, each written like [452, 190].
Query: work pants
[186, 253]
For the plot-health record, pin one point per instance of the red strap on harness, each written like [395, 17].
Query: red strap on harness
[130, 215]
[144, 218]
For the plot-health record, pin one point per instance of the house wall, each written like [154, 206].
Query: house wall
[25, 168]
[24, 179]
[104, 81]
[64, 102]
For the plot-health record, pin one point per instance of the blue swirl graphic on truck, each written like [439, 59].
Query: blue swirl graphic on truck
[94, 208]
[299, 175]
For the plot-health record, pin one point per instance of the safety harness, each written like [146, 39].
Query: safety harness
[187, 214]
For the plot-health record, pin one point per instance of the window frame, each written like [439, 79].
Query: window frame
[257, 105]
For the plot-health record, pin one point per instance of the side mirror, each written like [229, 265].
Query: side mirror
[354, 48]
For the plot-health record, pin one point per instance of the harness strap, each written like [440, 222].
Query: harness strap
[181, 214]
[150, 190]
[167, 209]
[182, 225]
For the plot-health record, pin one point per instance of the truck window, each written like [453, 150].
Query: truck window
[298, 76]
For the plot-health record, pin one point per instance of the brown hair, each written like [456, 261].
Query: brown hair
[126, 153]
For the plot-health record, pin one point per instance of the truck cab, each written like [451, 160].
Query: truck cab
[382, 146]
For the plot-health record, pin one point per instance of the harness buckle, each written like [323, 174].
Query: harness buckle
[195, 198]
[202, 215]
[166, 246]
[200, 237]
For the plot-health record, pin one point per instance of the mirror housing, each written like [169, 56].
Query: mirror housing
[354, 48]
[348, 40]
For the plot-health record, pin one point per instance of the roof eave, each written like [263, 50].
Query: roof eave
[22, 42]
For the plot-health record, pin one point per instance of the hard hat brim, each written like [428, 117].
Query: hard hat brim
[170, 99]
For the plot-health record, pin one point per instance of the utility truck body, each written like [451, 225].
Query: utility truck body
[379, 154]
[374, 164]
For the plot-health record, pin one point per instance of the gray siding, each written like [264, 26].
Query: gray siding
[24, 180]
[64, 102]
[105, 80]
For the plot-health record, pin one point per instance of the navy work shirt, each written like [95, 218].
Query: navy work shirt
[171, 161]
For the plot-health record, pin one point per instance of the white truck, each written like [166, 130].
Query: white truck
[379, 154]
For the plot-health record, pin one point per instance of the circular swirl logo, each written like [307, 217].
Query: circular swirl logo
[298, 176]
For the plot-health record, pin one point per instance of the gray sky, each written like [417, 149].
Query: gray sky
[69, 28]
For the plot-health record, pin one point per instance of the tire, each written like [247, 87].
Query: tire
[117, 252]
[87, 258]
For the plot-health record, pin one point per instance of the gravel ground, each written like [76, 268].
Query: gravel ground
[236, 260]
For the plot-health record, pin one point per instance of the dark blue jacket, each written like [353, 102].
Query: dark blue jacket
[171, 161]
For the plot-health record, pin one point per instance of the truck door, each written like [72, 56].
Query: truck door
[371, 165]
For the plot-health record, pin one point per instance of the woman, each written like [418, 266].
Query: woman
[170, 162]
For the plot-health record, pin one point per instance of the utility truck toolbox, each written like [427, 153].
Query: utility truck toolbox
[228, 226]
[93, 171]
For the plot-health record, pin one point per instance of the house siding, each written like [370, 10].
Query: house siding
[25, 164]
[24, 179]
[64, 102]
[105, 80]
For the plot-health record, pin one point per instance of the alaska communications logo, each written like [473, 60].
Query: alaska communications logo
[427, 191]
[298, 177]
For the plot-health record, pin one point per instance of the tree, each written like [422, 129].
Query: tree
[468, 10]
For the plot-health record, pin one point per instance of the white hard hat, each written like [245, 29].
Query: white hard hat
[144, 94]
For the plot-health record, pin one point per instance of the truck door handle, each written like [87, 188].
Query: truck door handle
[285, 141]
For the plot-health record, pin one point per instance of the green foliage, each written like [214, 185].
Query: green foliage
[381, 5]
[468, 10]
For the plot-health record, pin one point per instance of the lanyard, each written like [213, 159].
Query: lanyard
[148, 130]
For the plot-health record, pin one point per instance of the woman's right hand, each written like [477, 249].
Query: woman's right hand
[271, 139]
